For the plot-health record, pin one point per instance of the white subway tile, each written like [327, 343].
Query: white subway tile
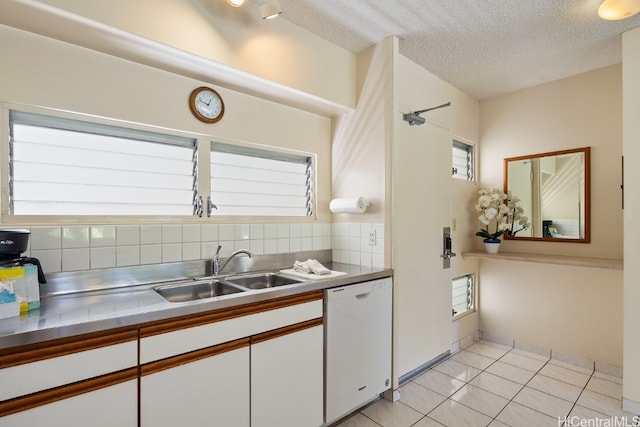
[191, 233]
[150, 234]
[150, 254]
[75, 259]
[171, 233]
[256, 231]
[45, 238]
[127, 255]
[326, 242]
[210, 233]
[75, 237]
[127, 235]
[271, 231]
[172, 252]
[283, 231]
[103, 257]
[306, 230]
[190, 251]
[50, 260]
[317, 229]
[242, 232]
[209, 249]
[270, 246]
[325, 229]
[295, 244]
[228, 246]
[241, 244]
[226, 232]
[103, 236]
[283, 246]
[306, 244]
[377, 260]
[354, 230]
[295, 230]
[257, 246]
[365, 259]
[354, 257]
[317, 243]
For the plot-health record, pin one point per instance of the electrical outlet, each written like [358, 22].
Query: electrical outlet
[372, 237]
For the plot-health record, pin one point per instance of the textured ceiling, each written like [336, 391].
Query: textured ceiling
[484, 47]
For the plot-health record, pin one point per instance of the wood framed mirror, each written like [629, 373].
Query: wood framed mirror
[555, 191]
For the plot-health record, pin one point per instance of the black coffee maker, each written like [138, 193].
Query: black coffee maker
[13, 243]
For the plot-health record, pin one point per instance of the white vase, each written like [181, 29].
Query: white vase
[492, 245]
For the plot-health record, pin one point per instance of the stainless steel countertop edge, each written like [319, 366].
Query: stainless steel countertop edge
[23, 335]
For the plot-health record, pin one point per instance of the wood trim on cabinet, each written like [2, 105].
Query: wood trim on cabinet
[265, 336]
[188, 321]
[182, 359]
[45, 397]
[29, 353]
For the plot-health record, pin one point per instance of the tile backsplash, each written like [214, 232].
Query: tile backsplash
[86, 247]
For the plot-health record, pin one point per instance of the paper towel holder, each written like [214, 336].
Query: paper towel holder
[338, 205]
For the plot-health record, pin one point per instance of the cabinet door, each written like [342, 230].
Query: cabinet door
[209, 387]
[287, 377]
[111, 406]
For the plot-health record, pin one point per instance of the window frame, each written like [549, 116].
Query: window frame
[472, 297]
[474, 160]
[203, 142]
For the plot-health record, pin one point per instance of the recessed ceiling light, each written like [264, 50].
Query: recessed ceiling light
[614, 10]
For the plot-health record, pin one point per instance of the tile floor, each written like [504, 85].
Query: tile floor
[488, 384]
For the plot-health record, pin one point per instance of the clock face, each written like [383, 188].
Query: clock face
[206, 104]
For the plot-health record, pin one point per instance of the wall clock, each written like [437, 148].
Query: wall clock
[206, 104]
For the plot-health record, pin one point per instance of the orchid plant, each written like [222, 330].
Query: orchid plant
[492, 209]
[500, 213]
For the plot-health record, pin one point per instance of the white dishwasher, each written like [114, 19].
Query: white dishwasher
[358, 345]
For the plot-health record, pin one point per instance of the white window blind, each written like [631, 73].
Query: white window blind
[248, 181]
[61, 166]
[462, 294]
[462, 161]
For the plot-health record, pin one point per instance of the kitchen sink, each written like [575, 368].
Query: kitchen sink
[262, 280]
[190, 291]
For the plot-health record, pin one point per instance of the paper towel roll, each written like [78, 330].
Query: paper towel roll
[358, 205]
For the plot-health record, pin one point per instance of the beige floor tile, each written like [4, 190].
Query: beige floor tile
[457, 370]
[570, 376]
[420, 398]
[484, 349]
[602, 386]
[439, 382]
[522, 361]
[453, 414]
[496, 423]
[516, 415]
[584, 416]
[496, 385]
[427, 422]
[510, 372]
[358, 420]
[607, 377]
[480, 400]
[543, 402]
[475, 360]
[603, 404]
[555, 387]
[392, 414]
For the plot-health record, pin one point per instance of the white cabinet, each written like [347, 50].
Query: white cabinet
[259, 365]
[287, 379]
[89, 380]
[206, 388]
[106, 407]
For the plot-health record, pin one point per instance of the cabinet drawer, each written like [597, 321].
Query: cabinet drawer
[34, 368]
[182, 336]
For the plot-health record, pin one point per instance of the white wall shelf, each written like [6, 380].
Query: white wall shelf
[610, 263]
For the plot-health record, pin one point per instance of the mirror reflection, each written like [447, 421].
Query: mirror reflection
[554, 190]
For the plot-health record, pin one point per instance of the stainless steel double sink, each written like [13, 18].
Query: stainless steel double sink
[196, 289]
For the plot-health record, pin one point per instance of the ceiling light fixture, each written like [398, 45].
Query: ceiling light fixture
[613, 10]
[270, 9]
[235, 3]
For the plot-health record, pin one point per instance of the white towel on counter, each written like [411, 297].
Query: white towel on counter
[310, 266]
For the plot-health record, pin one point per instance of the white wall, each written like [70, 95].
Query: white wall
[573, 310]
[631, 135]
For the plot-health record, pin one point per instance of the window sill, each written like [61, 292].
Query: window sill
[609, 263]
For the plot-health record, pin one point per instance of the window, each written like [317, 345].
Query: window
[62, 166]
[250, 181]
[462, 294]
[463, 161]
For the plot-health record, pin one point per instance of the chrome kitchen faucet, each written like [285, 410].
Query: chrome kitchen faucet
[217, 268]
